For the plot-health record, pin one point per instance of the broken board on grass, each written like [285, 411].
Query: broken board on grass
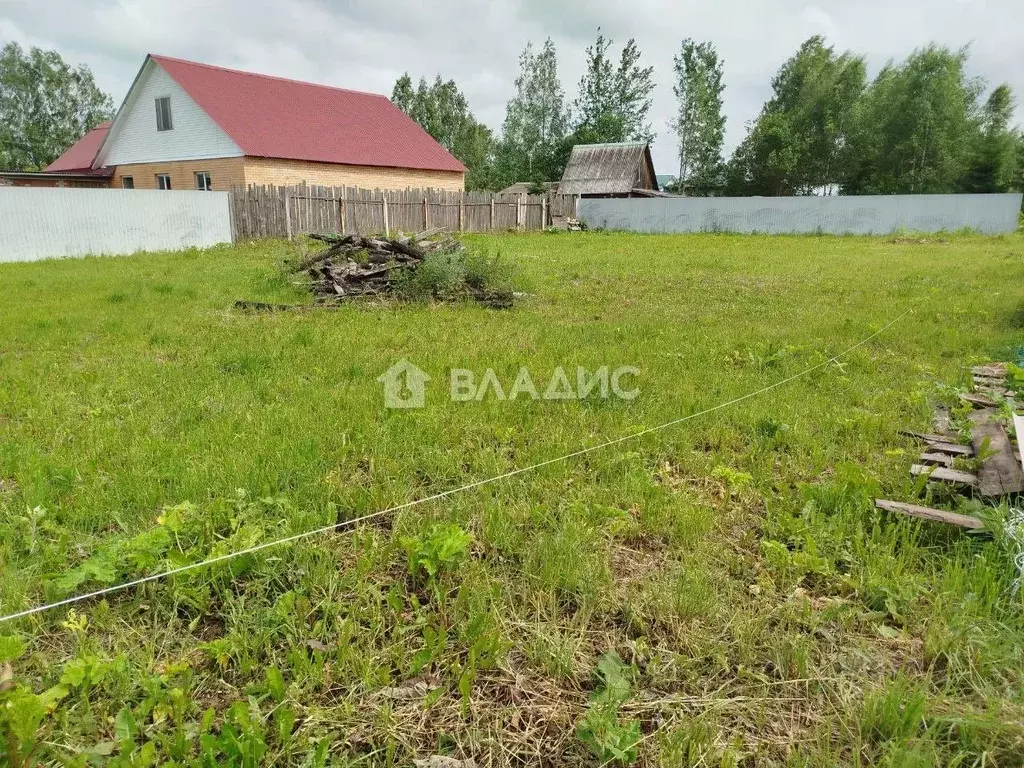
[1000, 473]
[941, 443]
[978, 401]
[939, 459]
[927, 513]
[989, 376]
[944, 474]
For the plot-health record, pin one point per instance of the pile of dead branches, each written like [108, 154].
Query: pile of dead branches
[353, 265]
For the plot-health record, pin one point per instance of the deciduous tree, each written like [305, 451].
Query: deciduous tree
[46, 105]
[536, 120]
[995, 163]
[614, 100]
[917, 127]
[796, 145]
[699, 124]
[443, 111]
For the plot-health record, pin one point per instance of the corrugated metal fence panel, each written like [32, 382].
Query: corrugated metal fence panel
[855, 215]
[47, 223]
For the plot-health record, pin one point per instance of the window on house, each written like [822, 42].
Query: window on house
[127, 182]
[203, 181]
[163, 181]
[163, 114]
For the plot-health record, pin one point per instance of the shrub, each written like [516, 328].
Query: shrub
[441, 276]
[452, 276]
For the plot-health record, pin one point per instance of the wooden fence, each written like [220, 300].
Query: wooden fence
[269, 211]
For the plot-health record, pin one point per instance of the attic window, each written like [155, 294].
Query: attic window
[163, 114]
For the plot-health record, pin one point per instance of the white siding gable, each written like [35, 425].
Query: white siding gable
[135, 139]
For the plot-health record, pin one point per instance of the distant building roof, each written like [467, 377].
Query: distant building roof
[524, 187]
[79, 156]
[608, 169]
[273, 117]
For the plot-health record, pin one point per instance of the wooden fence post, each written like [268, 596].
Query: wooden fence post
[544, 212]
[342, 205]
[232, 212]
[519, 212]
[426, 214]
[462, 211]
[288, 213]
[384, 202]
[492, 213]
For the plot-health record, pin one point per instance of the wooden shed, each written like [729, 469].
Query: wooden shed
[623, 169]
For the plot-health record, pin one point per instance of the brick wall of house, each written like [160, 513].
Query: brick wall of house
[73, 183]
[229, 171]
[262, 170]
[224, 173]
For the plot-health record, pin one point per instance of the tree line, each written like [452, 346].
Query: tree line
[921, 125]
[541, 126]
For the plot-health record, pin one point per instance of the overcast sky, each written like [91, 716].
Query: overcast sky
[367, 44]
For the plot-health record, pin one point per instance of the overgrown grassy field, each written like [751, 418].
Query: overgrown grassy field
[718, 593]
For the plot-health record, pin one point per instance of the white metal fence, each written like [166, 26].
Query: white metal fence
[856, 215]
[40, 223]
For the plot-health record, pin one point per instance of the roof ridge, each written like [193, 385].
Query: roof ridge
[160, 57]
[614, 144]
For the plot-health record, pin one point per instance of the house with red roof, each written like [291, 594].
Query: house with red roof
[185, 125]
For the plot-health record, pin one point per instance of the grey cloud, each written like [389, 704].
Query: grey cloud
[367, 44]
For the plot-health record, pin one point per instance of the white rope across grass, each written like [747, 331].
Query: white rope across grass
[443, 494]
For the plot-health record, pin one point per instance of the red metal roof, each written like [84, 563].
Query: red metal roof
[79, 156]
[274, 117]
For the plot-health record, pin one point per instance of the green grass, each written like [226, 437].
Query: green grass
[754, 607]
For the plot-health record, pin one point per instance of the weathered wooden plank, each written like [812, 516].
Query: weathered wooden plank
[954, 449]
[927, 438]
[941, 443]
[944, 474]
[996, 370]
[927, 513]
[1000, 473]
[941, 459]
[978, 401]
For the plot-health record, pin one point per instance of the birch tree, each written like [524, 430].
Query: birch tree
[699, 125]
[536, 119]
[614, 100]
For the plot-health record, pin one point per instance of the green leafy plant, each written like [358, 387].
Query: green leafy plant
[21, 711]
[441, 548]
[602, 730]
[242, 740]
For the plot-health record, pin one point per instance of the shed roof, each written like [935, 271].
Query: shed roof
[78, 158]
[606, 169]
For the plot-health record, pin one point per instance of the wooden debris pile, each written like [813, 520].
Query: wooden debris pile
[1000, 471]
[353, 265]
